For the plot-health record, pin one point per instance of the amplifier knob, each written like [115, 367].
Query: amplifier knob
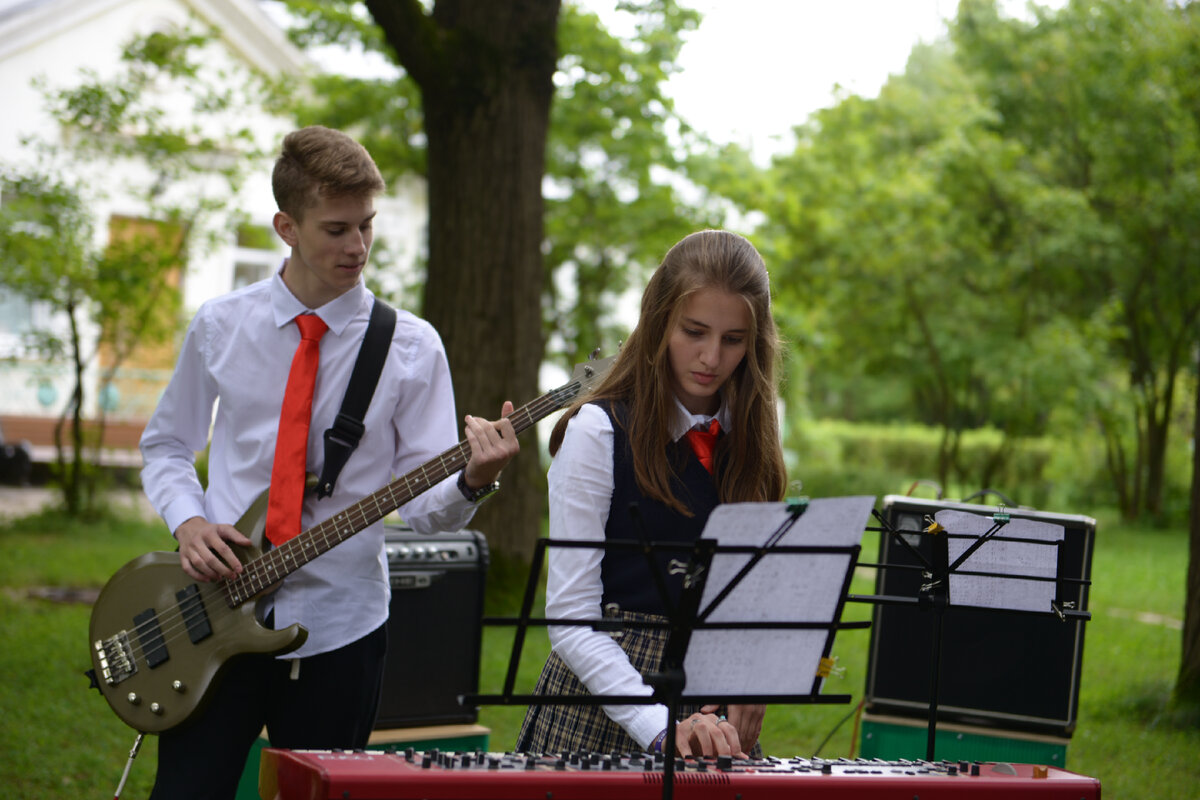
[156, 708]
[178, 686]
[133, 699]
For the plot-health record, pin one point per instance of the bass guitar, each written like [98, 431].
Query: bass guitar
[159, 640]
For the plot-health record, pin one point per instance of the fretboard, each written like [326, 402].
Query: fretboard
[279, 562]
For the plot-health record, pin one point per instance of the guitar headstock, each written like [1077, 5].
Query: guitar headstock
[589, 373]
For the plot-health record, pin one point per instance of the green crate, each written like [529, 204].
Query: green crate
[892, 738]
[441, 737]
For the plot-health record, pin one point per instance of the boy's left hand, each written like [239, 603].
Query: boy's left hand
[493, 444]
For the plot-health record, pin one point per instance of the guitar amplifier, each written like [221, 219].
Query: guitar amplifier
[1000, 669]
[434, 627]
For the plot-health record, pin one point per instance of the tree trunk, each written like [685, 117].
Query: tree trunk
[1187, 685]
[485, 71]
[70, 476]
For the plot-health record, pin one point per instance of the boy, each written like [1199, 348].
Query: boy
[239, 350]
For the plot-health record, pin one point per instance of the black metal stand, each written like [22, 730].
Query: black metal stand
[683, 618]
[934, 593]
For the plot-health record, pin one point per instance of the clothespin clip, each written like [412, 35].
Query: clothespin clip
[612, 623]
[1001, 516]
[797, 505]
[934, 527]
[828, 666]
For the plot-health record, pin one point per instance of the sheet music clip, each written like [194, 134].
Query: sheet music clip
[797, 505]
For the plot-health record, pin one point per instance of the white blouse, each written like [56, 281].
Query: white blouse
[581, 488]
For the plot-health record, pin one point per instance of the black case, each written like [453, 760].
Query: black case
[434, 629]
[1007, 670]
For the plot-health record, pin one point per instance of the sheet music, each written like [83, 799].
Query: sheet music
[1005, 557]
[795, 587]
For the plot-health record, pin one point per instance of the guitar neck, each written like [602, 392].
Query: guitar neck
[277, 563]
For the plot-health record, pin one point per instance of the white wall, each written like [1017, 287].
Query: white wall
[54, 40]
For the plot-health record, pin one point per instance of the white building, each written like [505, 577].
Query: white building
[55, 40]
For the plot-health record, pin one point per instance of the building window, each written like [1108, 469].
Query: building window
[16, 312]
[245, 273]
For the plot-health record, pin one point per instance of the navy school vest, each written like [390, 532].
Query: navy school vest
[625, 574]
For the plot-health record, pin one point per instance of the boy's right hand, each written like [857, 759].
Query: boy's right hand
[204, 552]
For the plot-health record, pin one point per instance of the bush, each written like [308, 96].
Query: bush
[832, 457]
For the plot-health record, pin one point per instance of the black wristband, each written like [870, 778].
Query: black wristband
[476, 495]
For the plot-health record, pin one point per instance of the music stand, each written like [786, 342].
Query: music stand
[993, 562]
[733, 571]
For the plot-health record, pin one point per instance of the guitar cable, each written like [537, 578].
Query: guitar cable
[137, 745]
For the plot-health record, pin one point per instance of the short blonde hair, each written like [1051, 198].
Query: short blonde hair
[321, 162]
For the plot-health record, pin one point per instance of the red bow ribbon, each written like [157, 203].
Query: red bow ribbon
[703, 441]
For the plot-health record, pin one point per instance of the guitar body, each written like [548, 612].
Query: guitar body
[160, 639]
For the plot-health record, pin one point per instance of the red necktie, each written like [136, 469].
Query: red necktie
[703, 441]
[286, 496]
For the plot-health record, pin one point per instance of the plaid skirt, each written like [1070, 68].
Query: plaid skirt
[575, 728]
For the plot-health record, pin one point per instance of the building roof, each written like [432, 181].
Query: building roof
[245, 27]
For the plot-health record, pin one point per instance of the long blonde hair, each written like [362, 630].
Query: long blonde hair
[750, 461]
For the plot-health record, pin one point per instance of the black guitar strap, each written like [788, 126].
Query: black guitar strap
[347, 430]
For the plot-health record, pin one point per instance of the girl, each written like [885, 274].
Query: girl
[703, 354]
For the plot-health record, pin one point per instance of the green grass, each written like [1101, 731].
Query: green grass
[60, 740]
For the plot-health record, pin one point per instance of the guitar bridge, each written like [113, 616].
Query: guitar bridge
[115, 657]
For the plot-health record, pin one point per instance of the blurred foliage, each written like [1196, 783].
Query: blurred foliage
[172, 123]
[1001, 239]
[614, 205]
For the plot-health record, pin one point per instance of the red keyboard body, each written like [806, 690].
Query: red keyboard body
[374, 775]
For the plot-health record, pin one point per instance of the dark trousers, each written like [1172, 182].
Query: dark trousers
[331, 704]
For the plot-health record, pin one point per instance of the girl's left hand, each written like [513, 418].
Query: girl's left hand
[747, 719]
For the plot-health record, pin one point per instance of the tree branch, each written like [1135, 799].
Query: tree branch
[413, 35]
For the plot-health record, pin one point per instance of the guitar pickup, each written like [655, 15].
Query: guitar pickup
[150, 637]
[191, 607]
[115, 656]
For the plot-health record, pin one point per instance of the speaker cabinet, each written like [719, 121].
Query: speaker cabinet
[1008, 670]
[434, 627]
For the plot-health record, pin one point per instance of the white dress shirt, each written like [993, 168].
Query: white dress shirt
[238, 353]
[580, 488]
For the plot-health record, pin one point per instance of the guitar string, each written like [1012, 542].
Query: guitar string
[170, 633]
[270, 567]
[217, 594]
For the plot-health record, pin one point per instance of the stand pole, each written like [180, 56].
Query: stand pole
[669, 753]
[937, 594]
[939, 612]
